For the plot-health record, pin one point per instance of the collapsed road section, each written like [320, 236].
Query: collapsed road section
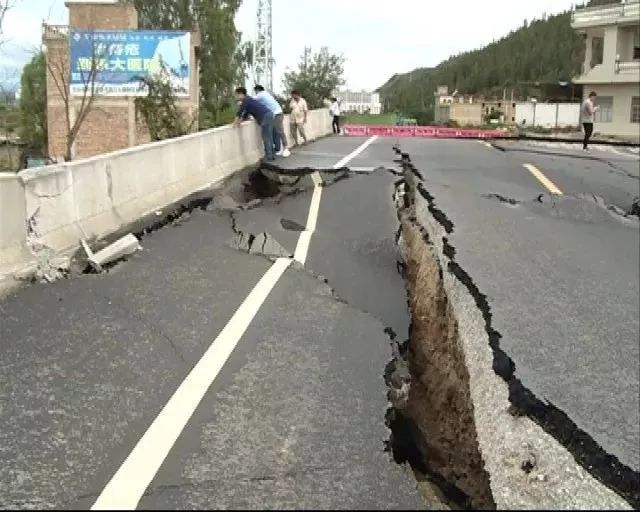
[479, 427]
[297, 415]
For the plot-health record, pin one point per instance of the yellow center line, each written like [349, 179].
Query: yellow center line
[485, 143]
[549, 185]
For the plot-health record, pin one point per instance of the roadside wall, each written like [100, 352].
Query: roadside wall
[94, 197]
[548, 115]
[13, 223]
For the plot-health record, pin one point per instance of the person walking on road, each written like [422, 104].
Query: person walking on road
[298, 117]
[334, 110]
[279, 137]
[588, 111]
[248, 106]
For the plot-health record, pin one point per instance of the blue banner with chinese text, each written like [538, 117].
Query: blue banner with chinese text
[114, 63]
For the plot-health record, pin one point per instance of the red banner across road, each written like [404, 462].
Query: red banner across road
[420, 131]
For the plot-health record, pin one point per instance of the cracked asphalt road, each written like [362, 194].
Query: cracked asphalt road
[296, 416]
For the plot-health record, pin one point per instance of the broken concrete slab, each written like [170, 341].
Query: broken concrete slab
[125, 246]
[262, 244]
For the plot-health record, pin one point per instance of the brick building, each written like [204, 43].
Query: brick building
[112, 122]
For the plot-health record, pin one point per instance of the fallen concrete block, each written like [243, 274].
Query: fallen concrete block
[120, 248]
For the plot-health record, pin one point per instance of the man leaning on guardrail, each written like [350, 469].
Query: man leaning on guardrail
[248, 106]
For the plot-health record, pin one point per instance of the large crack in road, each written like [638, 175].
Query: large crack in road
[440, 363]
[439, 399]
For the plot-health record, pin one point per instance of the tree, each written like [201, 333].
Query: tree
[5, 5]
[317, 77]
[223, 60]
[78, 104]
[33, 103]
[160, 112]
[542, 51]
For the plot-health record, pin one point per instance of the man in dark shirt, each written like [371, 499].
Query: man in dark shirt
[249, 106]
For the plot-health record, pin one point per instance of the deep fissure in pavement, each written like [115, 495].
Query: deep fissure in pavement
[432, 425]
[585, 450]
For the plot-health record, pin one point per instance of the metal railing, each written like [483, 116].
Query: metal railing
[594, 16]
[54, 31]
[632, 67]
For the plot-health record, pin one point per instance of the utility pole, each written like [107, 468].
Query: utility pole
[262, 66]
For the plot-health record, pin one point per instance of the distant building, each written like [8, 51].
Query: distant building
[470, 110]
[362, 102]
[612, 64]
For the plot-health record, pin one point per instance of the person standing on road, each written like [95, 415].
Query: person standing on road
[298, 117]
[248, 106]
[334, 110]
[279, 137]
[588, 111]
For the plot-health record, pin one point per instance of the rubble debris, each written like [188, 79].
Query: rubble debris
[125, 246]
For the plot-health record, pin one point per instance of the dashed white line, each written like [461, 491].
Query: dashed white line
[128, 484]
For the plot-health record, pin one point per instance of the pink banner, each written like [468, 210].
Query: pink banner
[420, 131]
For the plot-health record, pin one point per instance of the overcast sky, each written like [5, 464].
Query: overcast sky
[377, 37]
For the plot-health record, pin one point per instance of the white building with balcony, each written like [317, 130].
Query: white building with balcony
[612, 64]
[362, 102]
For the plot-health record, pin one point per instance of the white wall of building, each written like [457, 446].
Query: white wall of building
[548, 115]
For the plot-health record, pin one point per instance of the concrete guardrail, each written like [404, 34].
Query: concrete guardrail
[59, 205]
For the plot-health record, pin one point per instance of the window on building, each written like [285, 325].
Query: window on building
[635, 109]
[499, 105]
[597, 51]
[605, 112]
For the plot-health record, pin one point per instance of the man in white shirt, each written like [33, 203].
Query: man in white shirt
[278, 125]
[588, 116]
[334, 110]
[298, 117]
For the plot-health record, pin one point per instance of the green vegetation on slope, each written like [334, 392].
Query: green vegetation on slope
[546, 51]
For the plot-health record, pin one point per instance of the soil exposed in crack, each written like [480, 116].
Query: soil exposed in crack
[585, 450]
[433, 429]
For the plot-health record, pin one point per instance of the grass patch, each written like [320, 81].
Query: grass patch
[382, 119]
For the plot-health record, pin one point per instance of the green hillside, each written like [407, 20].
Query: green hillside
[545, 51]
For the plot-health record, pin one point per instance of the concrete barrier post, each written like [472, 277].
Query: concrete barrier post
[13, 223]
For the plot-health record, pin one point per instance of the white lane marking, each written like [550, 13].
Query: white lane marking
[126, 487]
[302, 249]
[549, 185]
[363, 169]
[359, 150]
[485, 143]
[128, 484]
[305, 237]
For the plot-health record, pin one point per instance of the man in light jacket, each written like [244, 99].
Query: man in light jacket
[278, 125]
[588, 111]
[298, 117]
